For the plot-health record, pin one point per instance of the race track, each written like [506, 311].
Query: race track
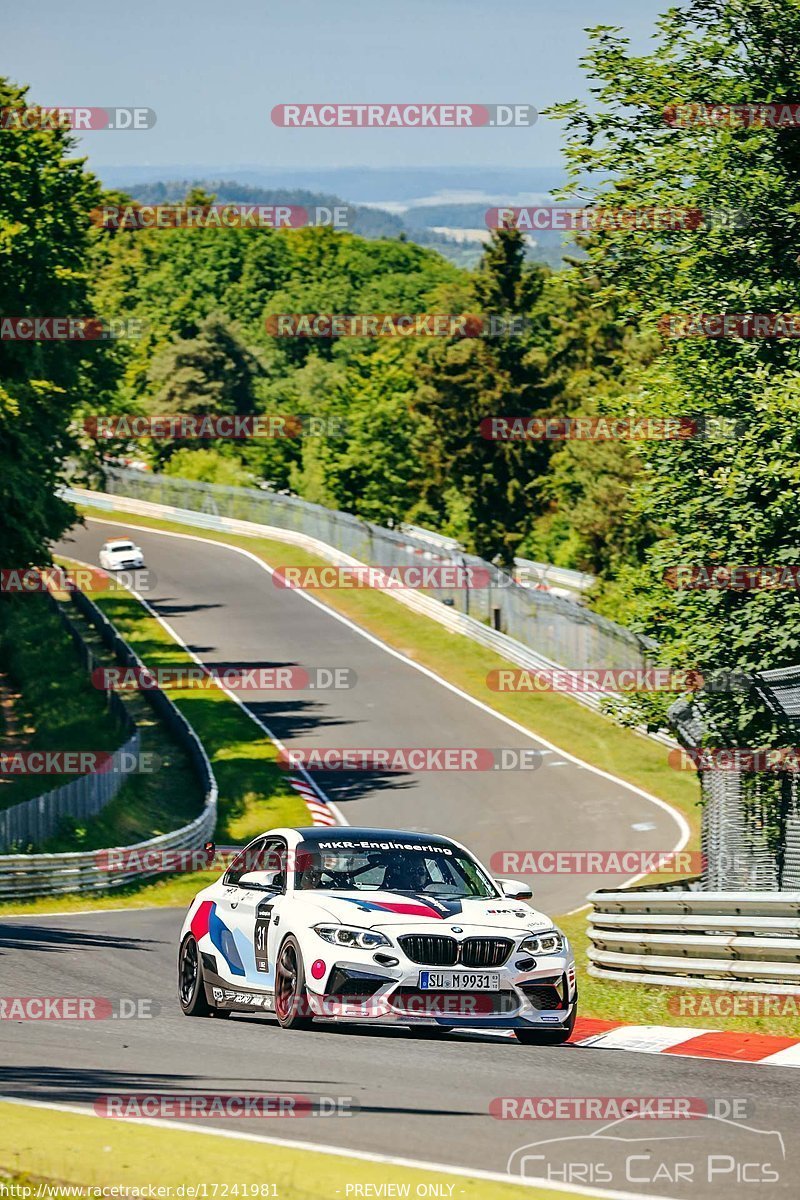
[231, 614]
[416, 1098]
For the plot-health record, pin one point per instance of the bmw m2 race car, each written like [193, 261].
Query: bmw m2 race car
[374, 925]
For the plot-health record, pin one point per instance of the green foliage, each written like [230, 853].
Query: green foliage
[45, 200]
[709, 500]
[467, 381]
[208, 466]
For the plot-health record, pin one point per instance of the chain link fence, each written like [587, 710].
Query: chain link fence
[750, 832]
[557, 628]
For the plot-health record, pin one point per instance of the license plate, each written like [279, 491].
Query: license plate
[459, 981]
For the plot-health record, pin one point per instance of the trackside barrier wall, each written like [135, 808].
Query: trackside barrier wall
[82, 871]
[35, 820]
[731, 941]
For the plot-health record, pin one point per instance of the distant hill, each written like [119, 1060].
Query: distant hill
[418, 222]
[368, 222]
[362, 185]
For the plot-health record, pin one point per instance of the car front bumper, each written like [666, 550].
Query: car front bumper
[362, 990]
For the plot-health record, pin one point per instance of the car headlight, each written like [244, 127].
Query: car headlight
[550, 942]
[350, 935]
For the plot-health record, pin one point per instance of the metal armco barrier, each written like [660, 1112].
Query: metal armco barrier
[86, 871]
[35, 820]
[732, 941]
[508, 647]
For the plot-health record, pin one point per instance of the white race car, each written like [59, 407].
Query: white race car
[374, 925]
[121, 554]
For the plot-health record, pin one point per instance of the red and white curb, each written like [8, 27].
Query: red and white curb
[767, 1049]
[316, 803]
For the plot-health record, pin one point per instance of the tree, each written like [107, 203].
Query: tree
[729, 499]
[213, 372]
[45, 199]
[465, 381]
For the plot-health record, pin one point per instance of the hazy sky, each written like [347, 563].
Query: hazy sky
[213, 71]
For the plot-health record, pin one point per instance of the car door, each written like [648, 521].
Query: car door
[230, 936]
[250, 903]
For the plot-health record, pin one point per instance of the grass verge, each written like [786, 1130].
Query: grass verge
[254, 792]
[41, 1143]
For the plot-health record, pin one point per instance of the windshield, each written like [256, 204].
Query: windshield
[120, 546]
[414, 869]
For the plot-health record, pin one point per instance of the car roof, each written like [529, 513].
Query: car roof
[117, 540]
[349, 834]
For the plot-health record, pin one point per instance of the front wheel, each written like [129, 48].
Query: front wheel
[191, 988]
[291, 1001]
[548, 1037]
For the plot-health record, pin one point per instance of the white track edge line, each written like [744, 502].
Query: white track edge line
[223, 687]
[336, 1151]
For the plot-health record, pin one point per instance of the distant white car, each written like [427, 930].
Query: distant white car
[121, 554]
[374, 925]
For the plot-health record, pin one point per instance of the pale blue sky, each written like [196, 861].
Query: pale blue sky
[213, 71]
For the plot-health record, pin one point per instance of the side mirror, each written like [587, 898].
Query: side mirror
[515, 890]
[262, 881]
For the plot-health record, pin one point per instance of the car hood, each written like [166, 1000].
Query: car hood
[377, 910]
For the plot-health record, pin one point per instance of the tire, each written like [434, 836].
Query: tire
[548, 1037]
[291, 1001]
[191, 985]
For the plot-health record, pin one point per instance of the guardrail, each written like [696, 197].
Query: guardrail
[39, 818]
[563, 630]
[86, 871]
[736, 941]
[503, 644]
[560, 577]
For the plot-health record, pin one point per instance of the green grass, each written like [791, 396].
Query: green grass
[167, 891]
[40, 1143]
[254, 792]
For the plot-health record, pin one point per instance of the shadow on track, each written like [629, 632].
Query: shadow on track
[39, 937]
[83, 1085]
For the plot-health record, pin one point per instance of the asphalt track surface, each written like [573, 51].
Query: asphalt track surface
[416, 1098]
[230, 613]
